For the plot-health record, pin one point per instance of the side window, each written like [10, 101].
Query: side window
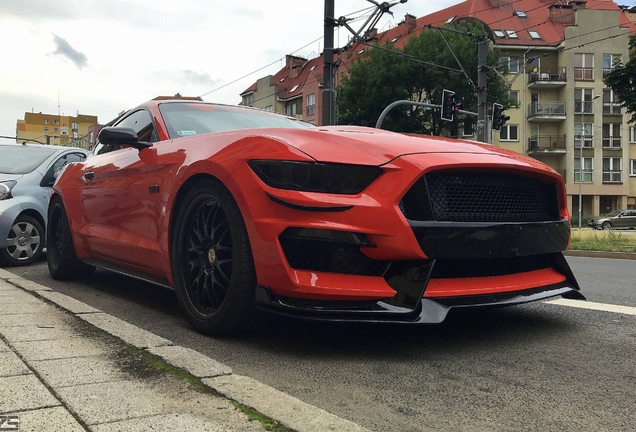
[141, 122]
[54, 171]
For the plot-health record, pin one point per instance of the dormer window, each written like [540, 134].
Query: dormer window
[512, 34]
[521, 14]
[499, 33]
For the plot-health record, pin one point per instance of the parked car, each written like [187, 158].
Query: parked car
[27, 173]
[618, 219]
[241, 209]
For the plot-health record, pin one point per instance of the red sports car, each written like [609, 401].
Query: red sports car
[240, 209]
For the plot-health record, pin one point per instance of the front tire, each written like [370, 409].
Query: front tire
[606, 225]
[60, 252]
[212, 262]
[24, 242]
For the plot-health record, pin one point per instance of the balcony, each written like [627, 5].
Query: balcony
[612, 143]
[546, 144]
[546, 111]
[547, 78]
[584, 73]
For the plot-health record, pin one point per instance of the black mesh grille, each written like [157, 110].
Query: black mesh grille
[466, 268]
[481, 197]
[330, 257]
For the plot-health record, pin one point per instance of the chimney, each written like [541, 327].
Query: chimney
[578, 4]
[411, 22]
[563, 14]
[293, 65]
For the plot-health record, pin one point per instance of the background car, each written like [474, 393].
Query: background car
[618, 219]
[242, 209]
[27, 173]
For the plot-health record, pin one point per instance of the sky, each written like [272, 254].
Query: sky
[101, 57]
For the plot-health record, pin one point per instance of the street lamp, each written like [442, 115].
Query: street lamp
[583, 102]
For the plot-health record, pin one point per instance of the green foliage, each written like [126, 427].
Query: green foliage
[384, 76]
[622, 80]
[608, 241]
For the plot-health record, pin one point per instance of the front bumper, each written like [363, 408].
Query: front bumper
[9, 211]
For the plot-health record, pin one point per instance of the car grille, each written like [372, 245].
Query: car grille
[330, 257]
[467, 268]
[480, 197]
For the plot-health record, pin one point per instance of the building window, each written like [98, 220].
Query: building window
[514, 97]
[632, 134]
[290, 109]
[269, 108]
[248, 99]
[46, 128]
[534, 34]
[56, 122]
[499, 33]
[55, 129]
[521, 14]
[46, 121]
[612, 136]
[611, 105]
[90, 137]
[584, 67]
[509, 133]
[450, 20]
[632, 168]
[583, 131]
[511, 34]
[612, 170]
[588, 169]
[608, 62]
[293, 89]
[583, 101]
[512, 63]
[311, 104]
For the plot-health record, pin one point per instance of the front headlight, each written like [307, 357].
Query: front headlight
[315, 177]
[5, 189]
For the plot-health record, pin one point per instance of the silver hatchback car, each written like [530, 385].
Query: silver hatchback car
[27, 173]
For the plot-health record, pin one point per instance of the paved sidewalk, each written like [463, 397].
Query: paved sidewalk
[66, 366]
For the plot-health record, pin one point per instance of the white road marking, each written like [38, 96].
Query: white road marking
[627, 310]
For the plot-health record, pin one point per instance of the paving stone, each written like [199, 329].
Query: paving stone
[49, 419]
[39, 308]
[125, 331]
[5, 274]
[111, 401]
[24, 392]
[197, 364]
[11, 365]
[68, 303]
[27, 284]
[4, 347]
[163, 423]
[36, 332]
[54, 317]
[57, 349]
[77, 371]
[15, 295]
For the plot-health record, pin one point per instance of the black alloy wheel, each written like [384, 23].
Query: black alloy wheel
[60, 253]
[24, 242]
[212, 261]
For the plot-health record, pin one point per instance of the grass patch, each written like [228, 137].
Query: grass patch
[268, 423]
[606, 241]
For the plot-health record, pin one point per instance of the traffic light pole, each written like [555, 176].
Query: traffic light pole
[482, 67]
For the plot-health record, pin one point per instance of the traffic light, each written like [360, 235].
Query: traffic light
[499, 118]
[450, 105]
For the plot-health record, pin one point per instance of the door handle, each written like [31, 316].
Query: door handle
[89, 175]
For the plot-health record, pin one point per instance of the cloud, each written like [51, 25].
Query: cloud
[198, 78]
[65, 49]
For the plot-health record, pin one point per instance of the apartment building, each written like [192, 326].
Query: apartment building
[54, 129]
[556, 54]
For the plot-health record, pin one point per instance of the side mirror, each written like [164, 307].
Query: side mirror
[122, 136]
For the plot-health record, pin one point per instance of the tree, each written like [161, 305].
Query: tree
[622, 80]
[385, 75]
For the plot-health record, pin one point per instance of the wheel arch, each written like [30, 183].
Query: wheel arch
[35, 215]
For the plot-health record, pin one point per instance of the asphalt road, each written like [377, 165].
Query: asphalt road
[532, 367]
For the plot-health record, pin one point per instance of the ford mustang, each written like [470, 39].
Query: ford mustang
[241, 210]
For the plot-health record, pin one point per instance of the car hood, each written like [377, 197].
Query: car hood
[367, 146]
[9, 177]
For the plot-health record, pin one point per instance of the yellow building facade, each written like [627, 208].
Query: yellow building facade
[53, 129]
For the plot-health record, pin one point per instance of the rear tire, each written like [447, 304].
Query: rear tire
[24, 243]
[60, 252]
[606, 225]
[212, 262]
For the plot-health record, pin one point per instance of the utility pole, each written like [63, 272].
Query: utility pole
[328, 95]
[482, 71]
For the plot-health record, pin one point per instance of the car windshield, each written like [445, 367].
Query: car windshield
[187, 119]
[614, 213]
[22, 159]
